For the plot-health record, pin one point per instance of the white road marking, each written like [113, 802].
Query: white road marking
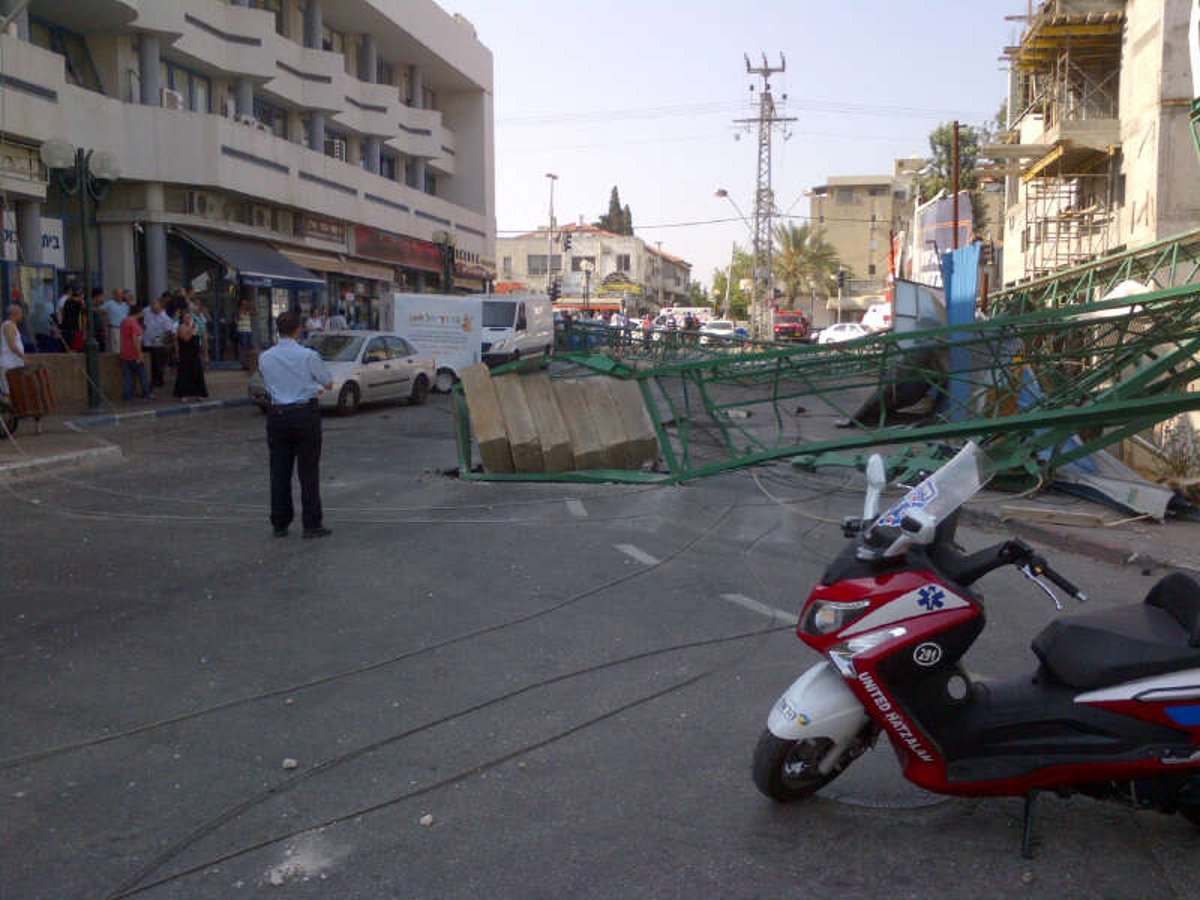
[636, 553]
[577, 509]
[761, 608]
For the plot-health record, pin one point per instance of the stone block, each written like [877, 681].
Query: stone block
[555, 439]
[642, 440]
[585, 442]
[522, 431]
[487, 421]
[607, 420]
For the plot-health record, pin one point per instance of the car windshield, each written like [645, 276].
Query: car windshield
[336, 347]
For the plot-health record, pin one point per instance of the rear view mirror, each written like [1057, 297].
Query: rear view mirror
[876, 481]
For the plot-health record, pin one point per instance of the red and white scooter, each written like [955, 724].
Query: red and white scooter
[1111, 711]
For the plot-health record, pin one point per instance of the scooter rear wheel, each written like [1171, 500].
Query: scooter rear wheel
[787, 770]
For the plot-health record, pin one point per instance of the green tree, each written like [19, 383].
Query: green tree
[803, 261]
[939, 175]
[618, 220]
[697, 294]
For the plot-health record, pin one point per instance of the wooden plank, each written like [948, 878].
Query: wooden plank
[551, 427]
[1053, 516]
[585, 442]
[518, 422]
[609, 427]
[487, 422]
[642, 445]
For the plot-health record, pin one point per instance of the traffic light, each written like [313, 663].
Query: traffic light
[567, 243]
[841, 279]
[554, 289]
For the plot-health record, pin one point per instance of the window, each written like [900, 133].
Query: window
[274, 117]
[623, 262]
[376, 351]
[577, 263]
[428, 98]
[72, 47]
[845, 195]
[871, 268]
[385, 73]
[333, 41]
[388, 167]
[398, 347]
[335, 145]
[877, 191]
[410, 173]
[506, 265]
[430, 183]
[535, 263]
[195, 89]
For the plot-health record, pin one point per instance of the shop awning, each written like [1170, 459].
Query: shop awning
[256, 263]
[339, 264]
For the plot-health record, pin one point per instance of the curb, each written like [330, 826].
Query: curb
[1083, 544]
[159, 413]
[58, 460]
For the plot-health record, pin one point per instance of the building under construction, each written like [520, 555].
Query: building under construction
[1098, 154]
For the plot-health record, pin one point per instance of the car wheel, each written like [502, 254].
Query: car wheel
[348, 399]
[444, 381]
[420, 390]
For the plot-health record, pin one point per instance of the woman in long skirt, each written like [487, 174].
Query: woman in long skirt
[189, 379]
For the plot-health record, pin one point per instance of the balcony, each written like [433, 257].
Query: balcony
[234, 39]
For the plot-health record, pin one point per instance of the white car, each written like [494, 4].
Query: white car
[367, 366]
[842, 331]
[718, 330]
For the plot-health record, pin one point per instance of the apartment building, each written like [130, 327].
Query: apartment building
[858, 215]
[298, 153]
[609, 270]
[1098, 155]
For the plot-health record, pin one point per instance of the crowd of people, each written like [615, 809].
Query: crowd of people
[175, 331]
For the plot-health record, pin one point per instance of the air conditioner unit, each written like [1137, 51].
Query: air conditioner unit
[172, 99]
[200, 204]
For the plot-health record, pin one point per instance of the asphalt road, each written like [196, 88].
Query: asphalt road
[569, 680]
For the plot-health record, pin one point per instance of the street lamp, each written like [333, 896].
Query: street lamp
[88, 175]
[550, 231]
[760, 321]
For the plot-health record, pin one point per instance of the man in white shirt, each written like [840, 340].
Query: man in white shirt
[158, 326]
[294, 375]
[115, 310]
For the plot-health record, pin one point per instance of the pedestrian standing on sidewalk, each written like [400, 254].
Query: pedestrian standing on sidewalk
[115, 310]
[12, 349]
[132, 364]
[294, 375]
[189, 379]
[245, 333]
[157, 327]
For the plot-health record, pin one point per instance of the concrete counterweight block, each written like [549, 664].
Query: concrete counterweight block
[548, 419]
[585, 442]
[642, 440]
[523, 440]
[487, 421]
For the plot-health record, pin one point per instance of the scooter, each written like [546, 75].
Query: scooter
[1112, 711]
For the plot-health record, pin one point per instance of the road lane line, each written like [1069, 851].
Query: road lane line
[577, 509]
[636, 553]
[761, 608]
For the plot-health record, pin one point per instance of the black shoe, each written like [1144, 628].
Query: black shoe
[279, 532]
[317, 532]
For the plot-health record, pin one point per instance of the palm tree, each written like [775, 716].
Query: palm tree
[803, 260]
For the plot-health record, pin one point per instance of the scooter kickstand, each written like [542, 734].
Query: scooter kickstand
[1027, 833]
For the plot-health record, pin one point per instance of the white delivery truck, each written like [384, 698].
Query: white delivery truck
[459, 331]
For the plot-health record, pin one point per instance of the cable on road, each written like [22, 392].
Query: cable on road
[39, 755]
[129, 886]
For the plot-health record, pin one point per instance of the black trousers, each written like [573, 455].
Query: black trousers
[294, 441]
[158, 363]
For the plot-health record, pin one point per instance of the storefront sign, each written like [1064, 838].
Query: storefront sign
[323, 229]
[53, 248]
[395, 248]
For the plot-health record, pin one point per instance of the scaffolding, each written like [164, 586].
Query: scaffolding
[1069, 214]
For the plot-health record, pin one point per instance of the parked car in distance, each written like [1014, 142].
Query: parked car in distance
[843, 331]
[791, 325]
[367, 367]
[718, 330]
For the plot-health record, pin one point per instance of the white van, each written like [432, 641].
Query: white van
[878, 316]
[459, 331]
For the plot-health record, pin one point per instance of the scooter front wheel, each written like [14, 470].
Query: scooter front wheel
[787, 770]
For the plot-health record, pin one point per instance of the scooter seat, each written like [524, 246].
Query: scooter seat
[1106, 647]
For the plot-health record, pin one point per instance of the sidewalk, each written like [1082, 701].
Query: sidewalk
[73, 437]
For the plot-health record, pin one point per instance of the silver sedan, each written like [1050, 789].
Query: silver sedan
[367, 366]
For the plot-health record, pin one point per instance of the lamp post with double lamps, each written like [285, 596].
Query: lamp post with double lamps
[550, 235]
[88, 175]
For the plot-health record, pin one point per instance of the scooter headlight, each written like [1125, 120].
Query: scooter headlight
[828, 616]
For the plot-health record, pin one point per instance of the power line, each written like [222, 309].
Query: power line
[698, 222]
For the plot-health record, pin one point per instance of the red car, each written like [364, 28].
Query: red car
[791, 325]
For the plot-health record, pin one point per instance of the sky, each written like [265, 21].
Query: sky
[642, 94]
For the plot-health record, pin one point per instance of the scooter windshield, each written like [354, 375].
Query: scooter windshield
[945, 490]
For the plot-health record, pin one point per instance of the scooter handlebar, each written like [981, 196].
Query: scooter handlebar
[1041, 567]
